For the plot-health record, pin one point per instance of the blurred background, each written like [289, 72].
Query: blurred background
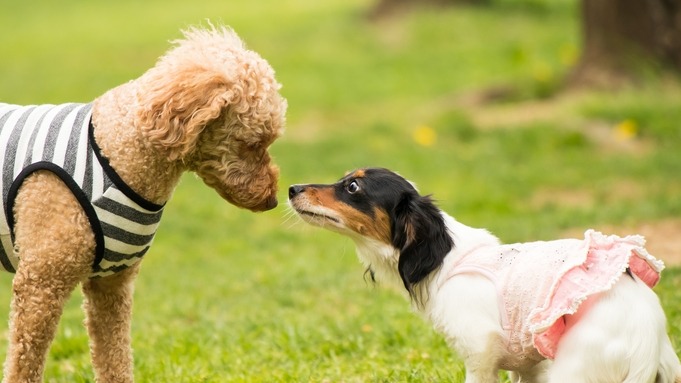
[535, 119]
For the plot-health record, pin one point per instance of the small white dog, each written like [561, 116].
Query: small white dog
[585, 304]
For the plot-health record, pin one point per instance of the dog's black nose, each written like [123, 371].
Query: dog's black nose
[295, 190]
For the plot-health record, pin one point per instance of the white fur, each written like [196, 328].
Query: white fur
[622, 338]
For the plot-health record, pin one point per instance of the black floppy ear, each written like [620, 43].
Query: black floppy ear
[419, 232]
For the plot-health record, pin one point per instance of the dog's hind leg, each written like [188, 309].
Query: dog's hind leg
[619, 339]
[56, 247]
[670, 368]
[536, 374]
[108, 307]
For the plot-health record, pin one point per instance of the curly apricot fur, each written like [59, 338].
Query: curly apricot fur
[209, 106]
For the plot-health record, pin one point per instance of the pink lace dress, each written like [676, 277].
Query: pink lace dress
[540, 282]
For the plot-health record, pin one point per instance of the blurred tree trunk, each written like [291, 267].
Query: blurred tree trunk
[620, 35]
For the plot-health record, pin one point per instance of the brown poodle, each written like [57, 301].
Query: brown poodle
[84, 186]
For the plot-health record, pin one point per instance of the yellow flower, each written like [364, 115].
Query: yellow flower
[626, 130]
[424, 136]
[542, 72]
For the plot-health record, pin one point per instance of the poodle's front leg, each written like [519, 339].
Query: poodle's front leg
[56, 249]
[108, 306]
[36, 307]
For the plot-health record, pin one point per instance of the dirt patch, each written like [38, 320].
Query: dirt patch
[624, 190]
[561, 111]
[608, 137]
[663, 238]
[510, 115]
[575, 199]
[395, 8]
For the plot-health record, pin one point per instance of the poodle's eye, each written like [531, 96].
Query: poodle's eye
[352, 187]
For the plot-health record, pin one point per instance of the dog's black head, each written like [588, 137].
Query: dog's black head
[376, 204]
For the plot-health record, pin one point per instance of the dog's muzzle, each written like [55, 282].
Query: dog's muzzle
[294, 190]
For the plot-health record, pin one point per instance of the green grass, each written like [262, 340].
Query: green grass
[229, 296]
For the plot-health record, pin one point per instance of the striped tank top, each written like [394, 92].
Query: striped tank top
[60, 139]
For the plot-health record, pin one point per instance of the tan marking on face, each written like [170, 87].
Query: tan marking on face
[322, 196]
[376, 227]
[359, 173]
[380, 226]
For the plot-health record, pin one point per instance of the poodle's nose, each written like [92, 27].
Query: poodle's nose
[294, 190]
[268, 204]
[271, 203]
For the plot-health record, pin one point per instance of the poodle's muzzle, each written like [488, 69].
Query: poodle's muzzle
[269, 204]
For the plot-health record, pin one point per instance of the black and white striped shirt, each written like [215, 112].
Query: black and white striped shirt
[59, 139]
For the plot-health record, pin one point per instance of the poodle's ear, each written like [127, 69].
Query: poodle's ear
[174, 112]
[420, 233]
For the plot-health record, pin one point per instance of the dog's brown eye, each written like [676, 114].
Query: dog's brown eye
[352, 187]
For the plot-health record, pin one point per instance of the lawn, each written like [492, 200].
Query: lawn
[460, 100]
